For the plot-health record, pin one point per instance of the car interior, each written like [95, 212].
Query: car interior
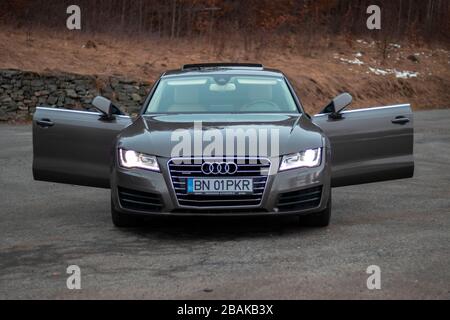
[228, 97]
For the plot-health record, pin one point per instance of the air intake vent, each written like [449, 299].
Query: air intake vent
[138, 200]
[258, 170]
[300, 200]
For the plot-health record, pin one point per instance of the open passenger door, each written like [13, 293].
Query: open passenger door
[369, 145]
[75, 147]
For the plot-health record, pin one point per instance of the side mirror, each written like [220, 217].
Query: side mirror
[337, 105]
[341, 102]
[104, 105]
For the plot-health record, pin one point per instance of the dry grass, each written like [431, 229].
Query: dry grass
[318, 73]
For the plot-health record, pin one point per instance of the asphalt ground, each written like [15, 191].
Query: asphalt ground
[401, 226]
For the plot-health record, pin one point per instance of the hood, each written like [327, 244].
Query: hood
[161, 135]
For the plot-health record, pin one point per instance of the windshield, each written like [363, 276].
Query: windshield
[222, 94]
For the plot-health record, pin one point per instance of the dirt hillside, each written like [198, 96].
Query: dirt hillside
[374, 73]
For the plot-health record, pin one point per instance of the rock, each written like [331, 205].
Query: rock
[10, 73]
[90, 45]
[41, 93]
[42, 100]
[136, 97]
[60, 102]
[52, 100]
[128, 87]
[20, 92]
[37, 83]
[121, 96]
[126, 81]
[18, 97]
[80, 82]
[69, 101]
[52, 87]
[6, 100]
[413, 58]
[67, 85]
[107, 90]
[143, 91]
[71, 93]
[114, 82]
[11, 107]
[22, 115]
[108, 95]
[3, 115]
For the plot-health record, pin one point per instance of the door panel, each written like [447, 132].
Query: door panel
[74, 147]
[369, 145]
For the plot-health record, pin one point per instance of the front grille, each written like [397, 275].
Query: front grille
[256, 169]
[138, 200]
[300, 200]
[234, 212]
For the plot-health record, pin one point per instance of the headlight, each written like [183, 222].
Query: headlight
[306, 159]
[133, 159]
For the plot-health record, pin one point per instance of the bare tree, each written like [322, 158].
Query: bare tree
[306, 19]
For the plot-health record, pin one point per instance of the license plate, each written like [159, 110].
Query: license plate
[215, 186]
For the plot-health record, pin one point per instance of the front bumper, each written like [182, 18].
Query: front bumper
[159, 184]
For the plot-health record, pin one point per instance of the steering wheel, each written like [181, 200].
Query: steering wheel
[261, 101]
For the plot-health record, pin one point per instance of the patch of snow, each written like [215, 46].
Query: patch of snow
[358, 54]
[406, 74]
[379, 72]
[398, 74]
[354, 61]
[395, 45]
[360, 41]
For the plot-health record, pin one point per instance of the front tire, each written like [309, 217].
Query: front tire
[121, 220]
[319, 219]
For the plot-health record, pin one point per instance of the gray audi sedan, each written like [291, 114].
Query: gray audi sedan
[224, 140]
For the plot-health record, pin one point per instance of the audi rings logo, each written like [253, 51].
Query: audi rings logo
[219, 168]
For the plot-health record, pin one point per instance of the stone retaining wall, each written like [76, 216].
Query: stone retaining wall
[21, 92]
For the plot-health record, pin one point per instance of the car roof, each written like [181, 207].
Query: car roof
[223, 68]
